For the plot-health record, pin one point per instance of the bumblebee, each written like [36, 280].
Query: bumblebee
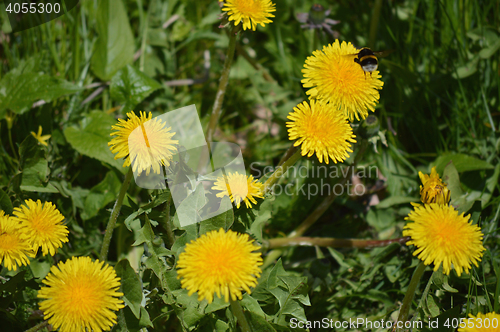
[367, 59]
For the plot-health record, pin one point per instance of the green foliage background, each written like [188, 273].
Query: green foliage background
[440, 102]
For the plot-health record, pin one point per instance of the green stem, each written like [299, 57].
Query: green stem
[224, 79]
[114, 215]
[37, 327]
[167, 225]
[280, 170]
[318, 212]
[14, 152]
[329, 242]
[240, 315]
[410, 293]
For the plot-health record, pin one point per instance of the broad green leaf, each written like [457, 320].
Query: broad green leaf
[466, 70]
[114, 48]
[131, 86]
[101, 195]
[131, 286]
[463, 162]
[395, 200]
[487, 52]
[18, 91]
[452, 180]
[221, 220]
[5, 203]
[92, 137]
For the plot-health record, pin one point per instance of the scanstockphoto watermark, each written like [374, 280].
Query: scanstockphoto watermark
[317, 171]
[355, 324]
[310, 190]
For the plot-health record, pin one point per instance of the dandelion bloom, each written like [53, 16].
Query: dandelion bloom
[221, 263]
[39, 137]
[251, 12]
[14, 245]
[489, 322]
[321, 130]
[150, 147]
[81, 295]
[444, 237]
[335, 78]
[43, 225]
[239, 188]
[433, 189]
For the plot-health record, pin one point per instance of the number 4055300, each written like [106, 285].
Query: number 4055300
[33, 8]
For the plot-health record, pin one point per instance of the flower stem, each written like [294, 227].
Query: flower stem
[318, 212]
[167, 224]
[410, 293]
[39, 326]
[330, 242]
[224, 79]
[280, 170]
[240, 315]
[114, 215]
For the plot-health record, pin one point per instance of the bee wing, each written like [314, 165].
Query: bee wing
[383, 54]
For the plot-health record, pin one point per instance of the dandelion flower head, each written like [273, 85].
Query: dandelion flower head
[433, 189]
[219, 262]
[489, 322]
[81, 295]
[321, 130]
[239, 187]
[14, 245]
[442, 236]
[334, 77]
[144, 142]
[251, 12]
[43, 225]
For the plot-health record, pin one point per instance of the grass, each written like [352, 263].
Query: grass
[441, 96]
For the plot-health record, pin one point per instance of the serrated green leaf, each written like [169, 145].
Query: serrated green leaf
[131, 86]
[131, 286]
[114, 48]
[127, 322]
[92, 137]
[155, 261]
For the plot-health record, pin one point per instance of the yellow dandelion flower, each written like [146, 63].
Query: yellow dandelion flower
[81, 295]
[321, 131]
[221, 263]
[489, 322]
[14, 247]
[251, 12]
[39, 136]
[433, 189]
[444, 237]
[239, 188]
[43, 225]
[150, 147]
[334, 77]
